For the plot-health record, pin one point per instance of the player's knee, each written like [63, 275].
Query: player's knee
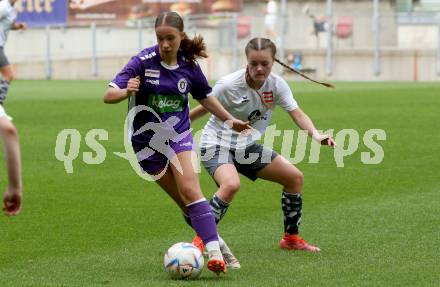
[10, 77]
[295, 183]
[189, 193]
[231, 186]
[8, 130]
[7, 73]
[299, 179]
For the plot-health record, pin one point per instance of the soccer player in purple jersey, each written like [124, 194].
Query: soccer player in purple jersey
[157, 82]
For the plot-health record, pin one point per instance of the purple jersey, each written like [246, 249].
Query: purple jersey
[164, 89]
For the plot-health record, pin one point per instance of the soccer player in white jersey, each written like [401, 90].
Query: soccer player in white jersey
[251, 94]
[8, 132]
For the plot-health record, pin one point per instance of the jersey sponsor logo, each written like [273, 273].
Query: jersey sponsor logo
[254, 116]
[148, 56]
[152, 73]
[153, 82]
[166, 103]
[181, 85]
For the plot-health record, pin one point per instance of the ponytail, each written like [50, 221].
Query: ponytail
[328, 85]
[193, 48]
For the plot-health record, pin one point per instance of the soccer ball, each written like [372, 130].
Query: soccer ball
[183, 261]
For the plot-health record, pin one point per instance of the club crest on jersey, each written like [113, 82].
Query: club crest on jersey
[268, 97]
[182, 84]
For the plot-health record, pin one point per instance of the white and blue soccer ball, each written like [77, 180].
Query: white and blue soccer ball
[183, 261]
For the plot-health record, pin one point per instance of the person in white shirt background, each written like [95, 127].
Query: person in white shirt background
[8, 133]
[251, 94]
[270, 19]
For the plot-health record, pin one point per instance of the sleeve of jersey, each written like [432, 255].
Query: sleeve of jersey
[200, 88]
[131, 70]
[3, 10]
[220, 91]
[284, 97]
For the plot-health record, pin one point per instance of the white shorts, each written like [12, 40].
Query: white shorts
[3, 113]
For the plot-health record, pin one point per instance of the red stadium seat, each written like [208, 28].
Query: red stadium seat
[344, 27]
[243, 26]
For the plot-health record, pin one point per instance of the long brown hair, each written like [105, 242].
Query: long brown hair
[191, 48]
[258, 44]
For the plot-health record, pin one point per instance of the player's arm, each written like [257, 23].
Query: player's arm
[115, 95]
[12, 202]
[197, 113]
[19, 26]
[304, 122]
[213, 105]
[3, 10]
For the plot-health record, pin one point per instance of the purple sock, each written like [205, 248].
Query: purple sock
[203, 221]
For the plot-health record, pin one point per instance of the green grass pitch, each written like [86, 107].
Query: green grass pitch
[377, 225]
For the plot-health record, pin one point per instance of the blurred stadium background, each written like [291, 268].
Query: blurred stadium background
[349, 40]
[104, 226]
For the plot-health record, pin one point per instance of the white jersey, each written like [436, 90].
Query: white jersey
[246, 104]
[8, 15]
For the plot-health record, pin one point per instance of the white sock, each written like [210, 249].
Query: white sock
[212, 245]
[221, 242]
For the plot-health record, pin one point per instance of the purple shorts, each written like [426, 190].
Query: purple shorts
[153, 160]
